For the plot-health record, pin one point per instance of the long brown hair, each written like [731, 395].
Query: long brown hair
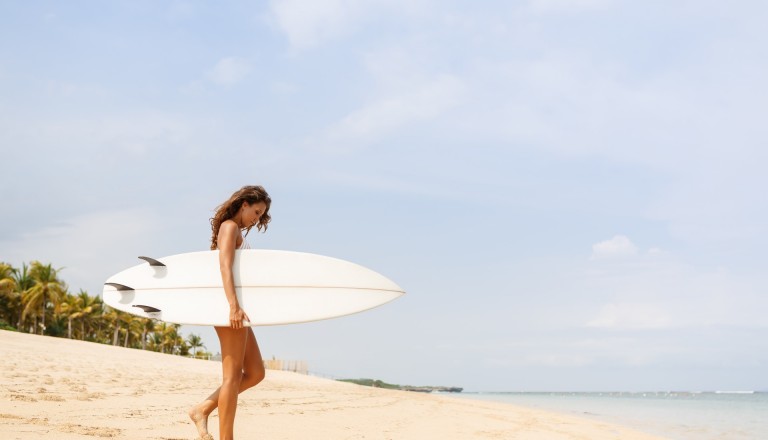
[228, 209]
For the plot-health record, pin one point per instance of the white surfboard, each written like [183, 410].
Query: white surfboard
[273, 287]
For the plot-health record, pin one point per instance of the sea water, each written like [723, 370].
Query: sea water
[672, 415]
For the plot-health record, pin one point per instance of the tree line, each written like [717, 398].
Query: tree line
[35, 299]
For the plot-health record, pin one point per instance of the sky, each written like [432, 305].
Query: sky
[568, 190]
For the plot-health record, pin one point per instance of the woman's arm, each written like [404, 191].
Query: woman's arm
[227, 242]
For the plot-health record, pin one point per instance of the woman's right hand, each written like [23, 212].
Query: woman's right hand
[237, 316]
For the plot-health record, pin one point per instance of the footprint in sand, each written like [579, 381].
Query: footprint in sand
[22, 398]
[79, 388]
[90, 430]
[10, 416]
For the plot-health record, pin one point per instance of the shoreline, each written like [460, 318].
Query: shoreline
[69, 389]
[680, 415]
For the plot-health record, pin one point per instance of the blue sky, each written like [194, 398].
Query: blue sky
[569, 190]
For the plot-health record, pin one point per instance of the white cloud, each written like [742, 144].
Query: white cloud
[285, 88]
[579, 348]
[714, 202]
[309, 23]
[396, 68]
[556, 360]
[229, 71]
[568, 5]
[181, 9]
[66, 89]
[381, 117]
[657, 290]
[565, 102]
[618, 246]
[89, 247]
[588, 102]
[632, 316]
[134, 133]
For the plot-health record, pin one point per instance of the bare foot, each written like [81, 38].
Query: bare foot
[201, 422]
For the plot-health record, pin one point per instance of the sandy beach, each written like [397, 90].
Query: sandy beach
[64, 389]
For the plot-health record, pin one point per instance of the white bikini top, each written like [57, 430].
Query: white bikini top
[244, 244]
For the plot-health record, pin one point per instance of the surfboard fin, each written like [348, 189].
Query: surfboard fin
[147, 309]
[119, 286]
[152, 261]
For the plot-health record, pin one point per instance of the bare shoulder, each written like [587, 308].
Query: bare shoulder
[229, 235]
[229, 227]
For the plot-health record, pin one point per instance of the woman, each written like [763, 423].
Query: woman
[240, 356]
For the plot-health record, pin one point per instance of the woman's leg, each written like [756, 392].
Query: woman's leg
[253, 364]
[232, 361]
[252, 373]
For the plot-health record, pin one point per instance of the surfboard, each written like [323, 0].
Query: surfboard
[273, 287]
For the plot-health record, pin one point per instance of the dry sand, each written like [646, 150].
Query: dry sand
[61, 389]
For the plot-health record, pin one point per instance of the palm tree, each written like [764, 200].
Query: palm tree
[47, 288]
[125, 321]
[22, 283]
[148, 327]
[136, 329]
[71, 308]
[7, 284]
[180, 346]
[112, 318]
[174, 339]
[90, 311]
[6, 277]
[155, 340]
[36, 292]
[132, 327]
[195, 342]
[105, 320]
[166, 336]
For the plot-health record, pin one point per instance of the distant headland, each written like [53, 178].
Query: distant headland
[421, 389]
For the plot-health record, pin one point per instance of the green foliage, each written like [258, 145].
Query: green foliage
[421, 389]
[372, 383]
[5, 326]
[35, 299]
[195, 342]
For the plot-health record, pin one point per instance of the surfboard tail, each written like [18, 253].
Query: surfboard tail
[118, 286]
[152, 262]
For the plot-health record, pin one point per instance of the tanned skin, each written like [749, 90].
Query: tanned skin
[241, 361]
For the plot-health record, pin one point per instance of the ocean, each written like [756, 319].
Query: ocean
[673, 415]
